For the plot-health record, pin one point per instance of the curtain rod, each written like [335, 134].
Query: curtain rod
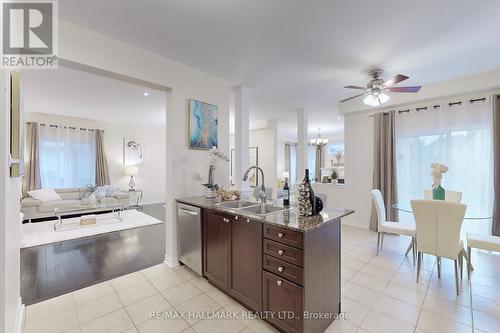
[67, 127]
[436, 106]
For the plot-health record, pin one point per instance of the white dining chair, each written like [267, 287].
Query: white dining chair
[482, 242]
[438, 224]
[384, 226]
[452, 196]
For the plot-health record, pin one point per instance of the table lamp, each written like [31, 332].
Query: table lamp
[132, 171]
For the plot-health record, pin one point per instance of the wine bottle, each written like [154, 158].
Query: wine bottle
[286, 194]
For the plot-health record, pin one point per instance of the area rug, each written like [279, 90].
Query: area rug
[40, 233]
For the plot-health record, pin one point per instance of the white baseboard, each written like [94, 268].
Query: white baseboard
[18, 326]
[171, 262]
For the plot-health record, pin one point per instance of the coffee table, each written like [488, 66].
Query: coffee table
[116, 209]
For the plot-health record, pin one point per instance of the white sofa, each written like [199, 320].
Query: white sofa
[35, 209]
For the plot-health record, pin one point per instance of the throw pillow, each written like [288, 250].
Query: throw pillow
[112, 191]
[45, 195]
[101, 191]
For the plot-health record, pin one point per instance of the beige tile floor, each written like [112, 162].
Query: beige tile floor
[379, 294]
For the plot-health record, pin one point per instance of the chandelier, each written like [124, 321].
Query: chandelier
[319, 141]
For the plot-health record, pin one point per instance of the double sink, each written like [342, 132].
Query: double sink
[251, 207]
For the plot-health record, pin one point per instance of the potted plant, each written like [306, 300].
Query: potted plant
[215, 156]
[334, 176]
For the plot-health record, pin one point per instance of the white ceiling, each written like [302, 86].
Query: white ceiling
[74, 93]
[300, 53]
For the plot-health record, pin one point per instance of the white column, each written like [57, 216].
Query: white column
[241, 135]
[302, 141]
[170, 205]
[271, 179]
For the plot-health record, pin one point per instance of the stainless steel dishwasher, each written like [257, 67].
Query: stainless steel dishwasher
[189, 236]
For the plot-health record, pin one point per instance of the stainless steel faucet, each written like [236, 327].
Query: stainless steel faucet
[262, 194]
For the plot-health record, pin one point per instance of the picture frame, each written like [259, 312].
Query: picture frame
[16, 126]
[133, 153]
[253, 157]
[203, 127]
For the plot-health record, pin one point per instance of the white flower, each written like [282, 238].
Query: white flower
[216, 154]
[437, 173]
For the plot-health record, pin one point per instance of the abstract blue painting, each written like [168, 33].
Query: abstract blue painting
[203, 125]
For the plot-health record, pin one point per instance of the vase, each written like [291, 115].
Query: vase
[210, 194]
[438, 192]
[306, 199]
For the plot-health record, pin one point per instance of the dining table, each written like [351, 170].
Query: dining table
[406, 207]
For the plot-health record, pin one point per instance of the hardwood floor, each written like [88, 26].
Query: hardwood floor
[55, 269]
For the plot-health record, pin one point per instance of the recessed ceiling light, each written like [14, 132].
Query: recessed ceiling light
[339, 117]
[146, 94]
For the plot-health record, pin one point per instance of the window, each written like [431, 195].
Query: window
[67, 157]
[461, 138]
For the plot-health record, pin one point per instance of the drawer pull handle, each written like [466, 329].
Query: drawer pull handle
[280, 235]
[280, 269]
[279, 282]
[225, 220]
[280, 252]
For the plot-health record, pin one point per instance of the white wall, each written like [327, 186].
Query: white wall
[355, 194]
[280, 159]
[10, 226]
[265, 140]
[151, 175]
[90, 48]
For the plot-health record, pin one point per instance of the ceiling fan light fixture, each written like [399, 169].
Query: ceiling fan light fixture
[383, 98]
[376, 99]
[371, 100]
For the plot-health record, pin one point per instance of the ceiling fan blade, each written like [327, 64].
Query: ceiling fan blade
[413, 89]
[355, 87]
[396, 79]
[348, 99]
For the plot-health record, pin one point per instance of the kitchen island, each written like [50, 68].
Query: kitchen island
[284, 267]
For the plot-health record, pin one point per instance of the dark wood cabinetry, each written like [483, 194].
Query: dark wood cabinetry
[245, 281]
[284, 302]
[282, 272]
[216, 248]
[232, 256]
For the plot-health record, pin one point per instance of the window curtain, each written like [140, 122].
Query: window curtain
[495, 230]
[384, 165]
[320, 153]
[459, 135]
[101, 164]
[67, 157]
[31, 179]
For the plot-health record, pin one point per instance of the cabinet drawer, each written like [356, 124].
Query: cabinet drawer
[284, 252]
[285, 236]
[284, 269]
[283, 298]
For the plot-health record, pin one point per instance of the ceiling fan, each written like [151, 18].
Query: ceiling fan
[376, 89]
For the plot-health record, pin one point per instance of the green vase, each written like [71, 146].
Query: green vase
[438, 193]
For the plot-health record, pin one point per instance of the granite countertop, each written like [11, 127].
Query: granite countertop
[286, 219]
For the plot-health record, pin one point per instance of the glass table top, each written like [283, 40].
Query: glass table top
[406, 207]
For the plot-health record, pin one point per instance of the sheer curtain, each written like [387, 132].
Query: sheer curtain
[67, 157]
[458, 135]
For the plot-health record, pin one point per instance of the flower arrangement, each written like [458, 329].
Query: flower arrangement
[437, 173]
[215, 155]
